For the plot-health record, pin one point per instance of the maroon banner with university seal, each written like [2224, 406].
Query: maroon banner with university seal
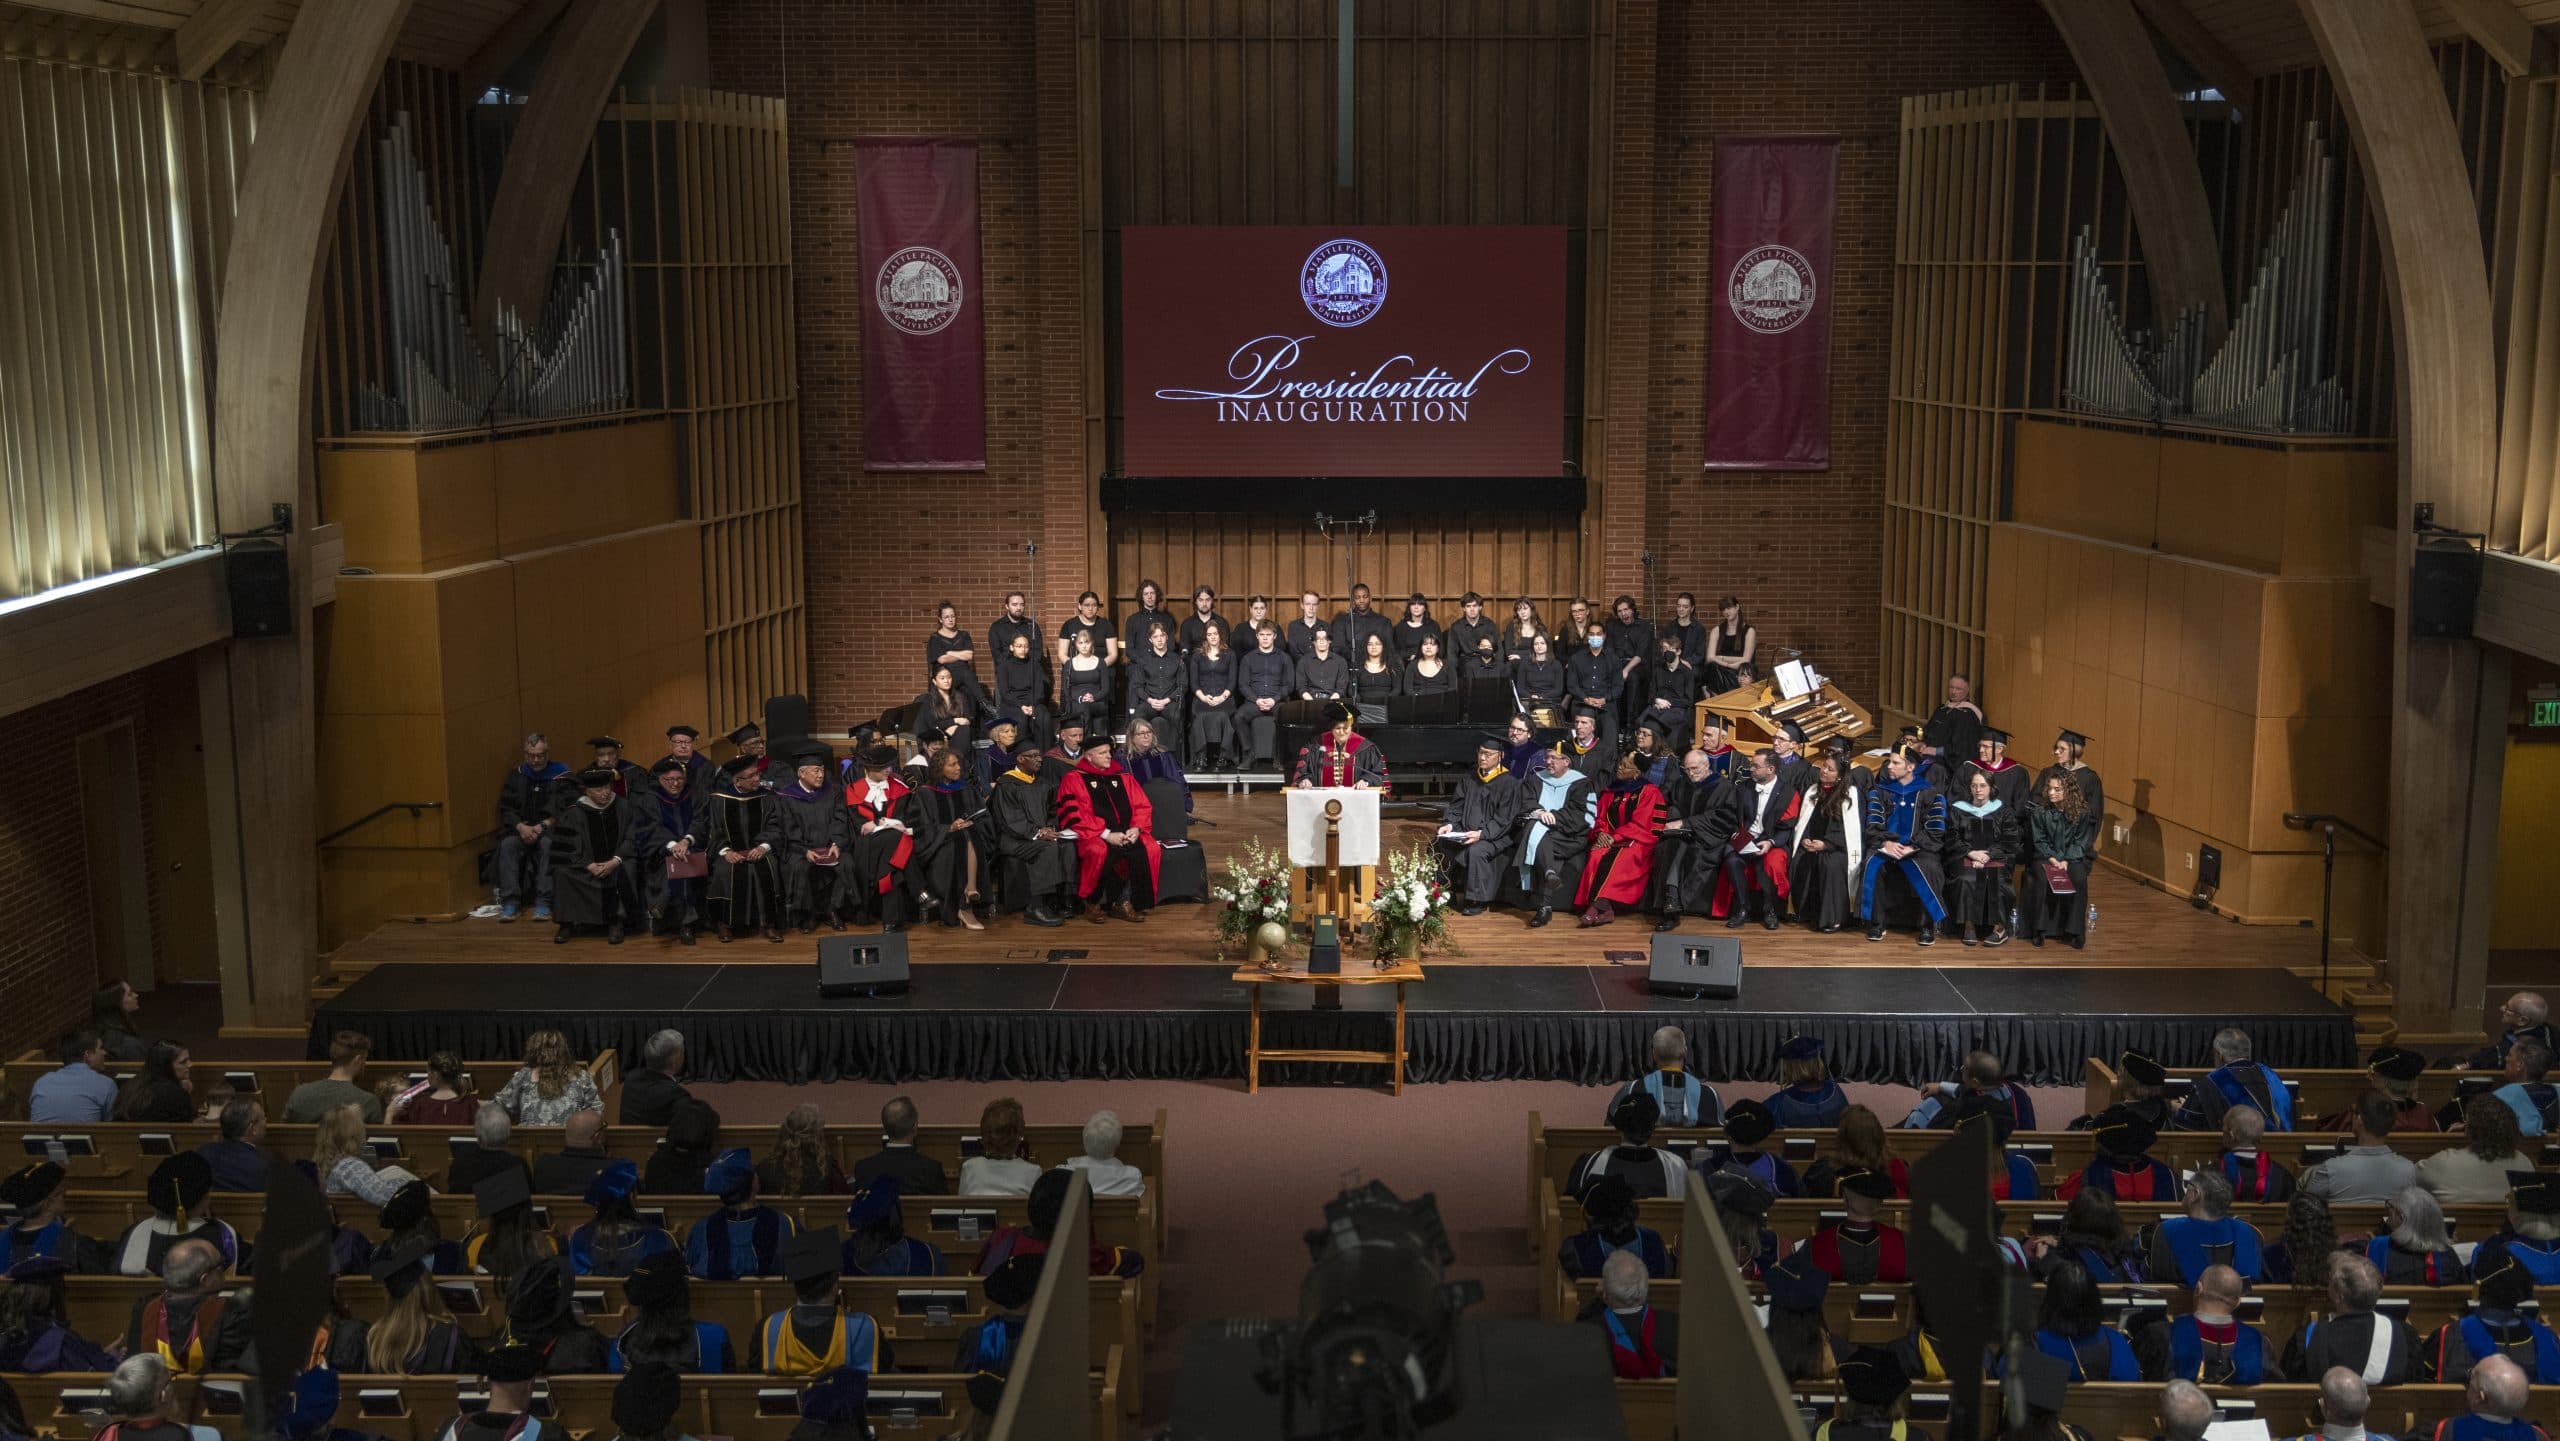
[924, 398]
[1769, 303]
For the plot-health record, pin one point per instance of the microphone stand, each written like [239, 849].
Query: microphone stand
[2329, 827]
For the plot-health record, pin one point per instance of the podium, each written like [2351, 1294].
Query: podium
[1333, 853]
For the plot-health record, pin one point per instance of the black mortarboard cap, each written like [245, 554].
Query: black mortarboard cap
[30, 1185]
[1608, 1199]
[1743, 1195]
[495, 1193]
[841, 1398]
[1974, 1110]
[539, 1296]
[514, 1361]
[688, 732]
[737, 764]
[2397, 1063]
[1013, 1284]
[595, 776]
[2538, 1194]
[407, 1207]
[400, 1268]
[1800, 1048]
[1748, 1123]
[1873, 1376]
[2142, 1070]
[645, 1399]
[1791, 731]
[1638, 1112]
[39, 1268]
[1875, 1185]
[1488, 741]
[2073, 737]
[663, 767]
[1994, 733]
[2123, 1131]
[604, 743]
[1907, 731]
[1004, 720]
[813, 1254]
[1342, 711]
[180, 1183]
[812, 755]
[744, 734]
[2501, 1279]
[878, 757]
[1796, 1284]
[658, 1281]
[2047, 1381]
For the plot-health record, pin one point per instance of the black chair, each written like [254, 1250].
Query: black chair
[1183, 874]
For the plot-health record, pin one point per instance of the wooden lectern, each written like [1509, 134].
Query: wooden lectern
[1333, 853]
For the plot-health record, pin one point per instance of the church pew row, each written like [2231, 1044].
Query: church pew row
[272, 1081]
[414, 1408]
[922, 1318]
[2316, 1093]
[2110, 1410]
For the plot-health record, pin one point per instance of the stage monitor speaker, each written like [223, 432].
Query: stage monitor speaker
[2444, 588]
[261, 584]
[866, 964]
[787, 717]
[1705, 968]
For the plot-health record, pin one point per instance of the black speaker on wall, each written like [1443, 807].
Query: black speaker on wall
[1702, 968]
[2444, 588]
[261, 585]
[863, 964]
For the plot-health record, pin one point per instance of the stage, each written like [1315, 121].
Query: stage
[1902, 1024]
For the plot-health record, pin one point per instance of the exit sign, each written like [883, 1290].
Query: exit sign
[2546, 712]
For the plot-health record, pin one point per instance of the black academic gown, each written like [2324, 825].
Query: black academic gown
[1034, 869]
[1600, 762]
[744, 894]
[1685, 865]
[796, 823]
[1493, 807]
[2012, 785]
[1557, 866]
[1263, 675]
[1823, 886]
[1955, 731]
[586, 835]
[1153, 678]
[670, 818]
[1979, 895]
[1319, 763]
[941, 863]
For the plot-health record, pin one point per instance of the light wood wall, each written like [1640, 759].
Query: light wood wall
[1501, 555]
[2525, 510]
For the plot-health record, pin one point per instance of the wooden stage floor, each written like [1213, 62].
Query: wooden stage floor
[2137, 926]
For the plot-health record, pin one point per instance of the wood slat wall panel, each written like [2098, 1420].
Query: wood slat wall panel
[1502, 554]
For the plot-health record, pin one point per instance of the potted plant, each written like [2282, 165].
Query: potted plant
[1253, 903]
[1411, 910]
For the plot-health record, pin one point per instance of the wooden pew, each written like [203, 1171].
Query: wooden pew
[2316, 1093]
[923, 1317]
[2109, 1410]
[272, 1081]
[414, 1408]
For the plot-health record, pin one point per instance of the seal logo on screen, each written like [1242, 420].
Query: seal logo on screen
[1771, 289]
[919, 290]
[1343, 283]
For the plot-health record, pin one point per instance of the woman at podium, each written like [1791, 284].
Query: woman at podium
[1340, 757]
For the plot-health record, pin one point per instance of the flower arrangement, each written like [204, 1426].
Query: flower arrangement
[1412, 906]
[1254, 894]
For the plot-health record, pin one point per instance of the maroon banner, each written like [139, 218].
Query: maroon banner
[1298, 350]
[1769, 332]
[924, 400]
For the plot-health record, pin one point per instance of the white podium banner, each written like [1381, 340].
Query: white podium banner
[1358, 831]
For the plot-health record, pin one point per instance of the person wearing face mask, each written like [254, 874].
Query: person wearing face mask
[1591, 675]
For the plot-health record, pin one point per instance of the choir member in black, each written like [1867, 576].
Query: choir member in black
[1524, 627]
[1732, 647]
[1300, 634]
[1038, 864]
[1592, 755]
[1469, 633]
[1158, 677]
[1118, 859]
[750, 741]
[2061, 834]
[1340, 757]
[1204, 616]
[1983, 834]
[950, 645]
[1323, 675]
[1084, 682]
[1090, 622]
[1213, 684]
[1577, 624]
[1486, 664]
[1557, 807]
[1474, 839]
[1150, 612]
[1020, 692]
[1700, 809]
[1787, 748]
[805, 823]
[1591, 674]
[1016, 621]
[945, 708]
[2066, 761]
[1686, 630]
[1409, 632]
[673, 891]
[2010, 781]
[1429, 672]
[745, 884]
[1353, 627]
[1671, 689]
[1953, 729]
[1375, 677]
[1267, 680]
[1257, 613]
[1538, 678]
[1631, 645]
[949, 810]
[1521, 753]
[1822, 866]
[681, 748]
[595, 859]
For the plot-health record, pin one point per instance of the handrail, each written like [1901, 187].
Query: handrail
[414, 808]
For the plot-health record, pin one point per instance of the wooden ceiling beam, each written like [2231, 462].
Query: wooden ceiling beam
[2202, 49]
[499, 53]
[2501, 29]
[208, 35]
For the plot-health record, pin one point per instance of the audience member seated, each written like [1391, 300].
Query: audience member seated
[918, 1174]
[348, 1051]
[802, 1163]
[1807, 1099]
[837, 1407]
[2093, 1238]
[1684, 1099]
[663, 1331]
[2254, 1175]
[2497, 1325]
[145, 1405]
[2369, 1170]
[34, 1337]
[1647, 1169]
[2124, 1168]
[1859, 1248]
[159, 1093]
[2498, 1395]
[2395, 1071]
[415, 1335]
[645, 1403]
[542, 1313]
[237, 1156]
[1644, 1344]
[650, 1093]
[1103, 1169]
[2301, 1256]
[345, 1163]
[550, 1086]
[991, 1344]
[442, 1099]
[814, 1335]
[176, 1191]
[409, 1219]
[111, 1013]
[1872, 1385]
[2380, 1350]
[1747, 1128]
[80, 1093]
[1858, 1146]
[2524, 1016]
[879, 1244]
[2532, 1232]
[567, 1171]
[492, 1133]
[2185, 1411]
[2071, 1328]
[1040, 1212]
[2344, 1400]
[2209, 1344]
[1799, 1336]
[34, 1194]
[2140, 1083]
[2415, 1248]
[2235, 1080]
[1742, 1207]
[2480, 1169]
[508, 1413]
[1983, 1077]
[693, 1138]
[2016, 1180]
[1609, 1226]
[2206, 1235]
[999, 1168]
[614, 1241]
[741, 1239]
[506, 1243]
[190, 1325]
[2527, 1092]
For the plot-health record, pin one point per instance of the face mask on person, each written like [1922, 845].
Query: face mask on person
[1596, 641]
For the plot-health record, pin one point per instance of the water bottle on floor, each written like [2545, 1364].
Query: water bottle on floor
[2093, 919]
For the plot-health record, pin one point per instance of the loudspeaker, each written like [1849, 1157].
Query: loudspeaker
[261, 585]
[871, 964]
[2444, 588]
[1705, 968]
[787, 718]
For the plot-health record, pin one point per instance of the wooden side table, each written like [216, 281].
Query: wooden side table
[1354, 973]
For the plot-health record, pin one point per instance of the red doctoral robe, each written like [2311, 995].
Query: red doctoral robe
[856, 792]
[1078, 811]
[1617, 874]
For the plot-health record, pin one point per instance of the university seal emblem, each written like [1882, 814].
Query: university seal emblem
[919, 290]
[1343, 282]
[1771, 289]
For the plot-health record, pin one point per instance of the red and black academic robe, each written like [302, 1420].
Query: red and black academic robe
[2137, 1178]
[1325, 761]
[1620, 865]
[1093, 799]
[880, 858]
[1858, 1257]
[1777, 826]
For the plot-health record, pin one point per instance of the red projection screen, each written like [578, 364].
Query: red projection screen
[1296, 350]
